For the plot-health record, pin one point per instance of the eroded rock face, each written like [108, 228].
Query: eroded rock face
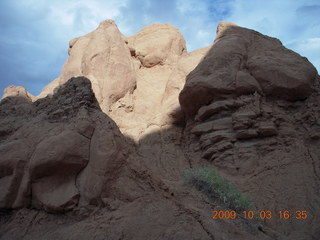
[53, 169]
[162, 62]
[137, 79]
[157, 44]
[70, 156]
[267, 149]
[243, 61]
[17, 91]
[54, 140]
[246, 103]
[103, 57]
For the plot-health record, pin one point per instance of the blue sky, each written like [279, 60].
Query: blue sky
[35, 33]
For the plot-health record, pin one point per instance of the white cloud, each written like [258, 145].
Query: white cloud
[310, 45]
[187, 7]
[269, 17]
[295, 23]
[74, 18]
[309, 48]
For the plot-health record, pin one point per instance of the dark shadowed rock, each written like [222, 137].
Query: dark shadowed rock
[243, 61]
[252, 105]
[41, 169]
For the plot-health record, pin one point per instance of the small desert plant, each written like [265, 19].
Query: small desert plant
[208, 181]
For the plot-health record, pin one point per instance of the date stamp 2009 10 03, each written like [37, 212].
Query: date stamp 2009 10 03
[284, 214]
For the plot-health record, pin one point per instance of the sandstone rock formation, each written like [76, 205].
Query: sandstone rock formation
[40, 166]
[243, 61]
[106, 151]
[157, 44]
[246, 103]
[17, 91]
[104, 58]
[135, 79]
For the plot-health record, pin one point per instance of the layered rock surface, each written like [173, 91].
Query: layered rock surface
[108, 151]
[246, 103]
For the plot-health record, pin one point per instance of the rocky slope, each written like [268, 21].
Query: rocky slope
[252, 105]
[101, 151]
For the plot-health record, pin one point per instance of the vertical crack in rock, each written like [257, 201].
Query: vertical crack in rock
[81, 170]
[30, 224]
[315, 168]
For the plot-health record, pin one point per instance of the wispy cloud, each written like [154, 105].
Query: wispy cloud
[35, 33]
[295, 23]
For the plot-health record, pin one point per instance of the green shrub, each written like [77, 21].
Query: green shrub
[208, 181]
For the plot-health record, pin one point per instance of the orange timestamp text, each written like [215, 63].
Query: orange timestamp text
[285, 214]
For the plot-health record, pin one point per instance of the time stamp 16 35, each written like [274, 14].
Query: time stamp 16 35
[285, 214]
